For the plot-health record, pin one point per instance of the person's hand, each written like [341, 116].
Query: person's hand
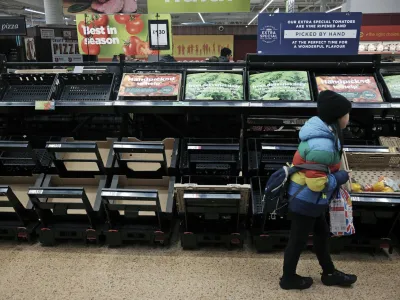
[341, 177]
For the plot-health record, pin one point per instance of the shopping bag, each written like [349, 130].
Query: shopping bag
[341, 214]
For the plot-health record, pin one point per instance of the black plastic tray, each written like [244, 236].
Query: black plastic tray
[265, 158]
[83, 87]
[19, 158]
[65, 218]
[211, 157]
[26, 87]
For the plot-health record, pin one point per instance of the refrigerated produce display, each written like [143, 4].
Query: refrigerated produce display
[113, 164]
[354, 88]
[280, 85]
[214, 86]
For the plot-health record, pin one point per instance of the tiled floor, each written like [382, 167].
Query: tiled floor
[141, 272]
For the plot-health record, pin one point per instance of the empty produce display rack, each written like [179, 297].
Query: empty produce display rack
[133, 166]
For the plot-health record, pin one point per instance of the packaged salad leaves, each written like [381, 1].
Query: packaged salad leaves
[393, 84]
[214, 86]
[280, 85]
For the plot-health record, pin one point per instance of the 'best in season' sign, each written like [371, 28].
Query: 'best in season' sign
[309, 34]
[108, 35]
[194, 6]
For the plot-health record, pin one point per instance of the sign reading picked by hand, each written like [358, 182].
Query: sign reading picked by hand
[309, 34]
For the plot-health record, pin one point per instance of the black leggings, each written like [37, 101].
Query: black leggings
[300, 229]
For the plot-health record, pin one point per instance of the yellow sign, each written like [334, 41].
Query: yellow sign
[200, 47]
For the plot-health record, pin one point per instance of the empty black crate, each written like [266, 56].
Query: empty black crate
[265, 158]
[269, 231]
[212, 210]
[83, 87]
[139, 210]
[19, 158]
[26, 87]
[211, 157]
[18, 220]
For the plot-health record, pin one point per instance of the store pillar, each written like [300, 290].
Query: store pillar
[54, 11]
[322, 6]
[372, 6]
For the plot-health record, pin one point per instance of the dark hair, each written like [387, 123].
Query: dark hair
[226, 52]
[213, 59]
[338, 136]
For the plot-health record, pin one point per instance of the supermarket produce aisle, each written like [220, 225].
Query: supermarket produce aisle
[140, 272]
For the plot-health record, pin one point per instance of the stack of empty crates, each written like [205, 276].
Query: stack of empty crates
[212, 197]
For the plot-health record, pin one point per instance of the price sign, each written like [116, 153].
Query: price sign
[47, 33]
[159, 34]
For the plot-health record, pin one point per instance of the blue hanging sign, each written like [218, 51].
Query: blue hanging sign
[309, 33]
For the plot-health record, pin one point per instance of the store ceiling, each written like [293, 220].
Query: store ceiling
[16, 7]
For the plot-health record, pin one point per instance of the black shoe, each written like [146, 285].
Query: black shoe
[296, 283]
[338, 278]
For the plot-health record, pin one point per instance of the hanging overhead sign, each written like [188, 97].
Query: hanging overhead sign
[195, 6]
[99, 6]
[309, 34]
[108, 35]
[12, 26]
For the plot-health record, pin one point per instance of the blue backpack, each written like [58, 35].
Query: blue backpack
[275, 199]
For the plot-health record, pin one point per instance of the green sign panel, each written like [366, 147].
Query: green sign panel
[194, 6]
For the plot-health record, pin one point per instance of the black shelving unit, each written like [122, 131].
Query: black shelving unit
[262, 136]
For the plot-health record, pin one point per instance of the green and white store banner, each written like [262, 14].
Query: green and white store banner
[194, 6]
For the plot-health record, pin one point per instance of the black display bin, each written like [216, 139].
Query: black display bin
[18, 220]
[139, 210]
[212, 213]
[69, 209]
[264, 158]
[375, 224]
[83, 87]
[146, 159]
[211, 157]
[26, 87]
[268, 231]
[20, 158]
[82, 158]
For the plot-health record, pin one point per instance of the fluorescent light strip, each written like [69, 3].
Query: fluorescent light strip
[261, 11]
[201, 17]
[333, 9]
[35, 11]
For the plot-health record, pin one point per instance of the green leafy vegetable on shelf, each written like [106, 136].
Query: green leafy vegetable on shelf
[393, 84]
[280, 85]
[214, 86]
